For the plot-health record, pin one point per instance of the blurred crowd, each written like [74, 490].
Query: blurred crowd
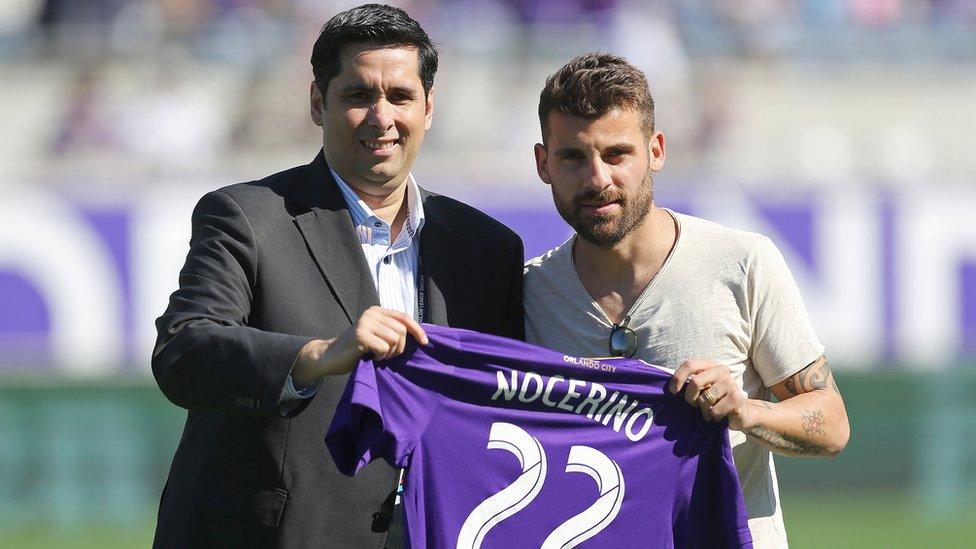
[206, 27]
[183, 84]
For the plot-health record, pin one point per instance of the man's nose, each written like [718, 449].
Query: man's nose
[598, 174]
[381, 115]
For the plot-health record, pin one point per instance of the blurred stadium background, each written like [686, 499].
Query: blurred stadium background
[841, 128]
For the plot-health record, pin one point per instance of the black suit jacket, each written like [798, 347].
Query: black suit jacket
[272, 265]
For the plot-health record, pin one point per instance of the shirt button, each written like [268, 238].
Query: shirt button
[386, 260]
[377, 224]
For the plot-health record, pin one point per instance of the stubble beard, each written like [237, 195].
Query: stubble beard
[608, 230]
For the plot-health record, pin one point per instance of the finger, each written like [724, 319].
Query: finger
[401, 342]
[705, 412]
[679, 377]
[687, 369]
[372, 313]
[410, 323]
[706, 405]
[415, 329]
[727, 400]
[713, 375]
[695, 386]
[400, 329]
[397, 340]
[721, 408]
[388, 335]
[375, 346]
[715, 392]
[393, 322]
[709, 395]
[375, 325]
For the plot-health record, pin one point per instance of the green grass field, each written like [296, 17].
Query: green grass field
[854, 521]
[883, 521]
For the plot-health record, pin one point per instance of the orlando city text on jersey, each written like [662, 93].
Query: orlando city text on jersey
[511, 445]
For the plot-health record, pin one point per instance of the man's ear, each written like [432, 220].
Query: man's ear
[429, 109]
[541, 159]
[317, 104]
[657, 151]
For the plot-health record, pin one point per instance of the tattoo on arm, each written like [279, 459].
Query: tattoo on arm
[786, 443]
[813, 422]
[815, 376]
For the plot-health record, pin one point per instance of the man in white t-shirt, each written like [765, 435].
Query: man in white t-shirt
[718, 306]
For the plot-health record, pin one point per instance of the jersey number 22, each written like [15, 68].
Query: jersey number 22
[517, 495]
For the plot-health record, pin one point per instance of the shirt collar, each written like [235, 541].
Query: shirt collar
[362, 214]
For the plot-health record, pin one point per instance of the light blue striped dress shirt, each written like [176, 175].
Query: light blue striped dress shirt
[393, 265]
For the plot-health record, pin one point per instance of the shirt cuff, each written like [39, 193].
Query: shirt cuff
[292, 393]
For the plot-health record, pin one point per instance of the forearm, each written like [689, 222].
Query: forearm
[319, 358]
[808, 424]
[232, 369]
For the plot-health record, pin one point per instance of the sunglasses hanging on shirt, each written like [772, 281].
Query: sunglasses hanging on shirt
[623, 340]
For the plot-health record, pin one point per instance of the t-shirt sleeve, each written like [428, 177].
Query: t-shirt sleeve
[783, 340]
[381, 415]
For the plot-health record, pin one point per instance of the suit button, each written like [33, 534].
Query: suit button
[248, 402]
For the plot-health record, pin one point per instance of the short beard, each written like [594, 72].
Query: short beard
[607, 230]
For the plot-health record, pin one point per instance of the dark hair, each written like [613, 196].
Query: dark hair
[593, 84]
[385, 25]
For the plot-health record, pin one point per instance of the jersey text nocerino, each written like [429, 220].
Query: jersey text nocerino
[581, 397]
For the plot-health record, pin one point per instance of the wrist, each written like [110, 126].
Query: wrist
[752, 414]
[307, 368]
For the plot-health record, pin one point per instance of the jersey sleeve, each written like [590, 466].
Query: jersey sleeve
[381, 415]
[783, 340]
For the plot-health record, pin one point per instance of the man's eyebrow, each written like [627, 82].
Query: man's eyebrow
[563, 151]
[357, 88]
[406, 90]
[354, 88]
[621, 148]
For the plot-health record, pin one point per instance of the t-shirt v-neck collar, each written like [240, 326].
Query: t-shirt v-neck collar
[650, 284]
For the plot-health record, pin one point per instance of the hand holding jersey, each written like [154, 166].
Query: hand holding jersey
[710, 387]
[809, 420]
[379, 332]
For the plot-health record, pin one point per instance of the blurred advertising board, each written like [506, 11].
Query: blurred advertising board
[888, 276]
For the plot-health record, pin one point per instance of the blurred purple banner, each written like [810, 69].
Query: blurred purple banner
[886, 277]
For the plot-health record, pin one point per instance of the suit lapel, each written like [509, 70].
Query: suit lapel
[443, 249]
[328, 231]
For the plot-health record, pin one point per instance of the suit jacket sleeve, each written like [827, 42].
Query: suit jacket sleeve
[516, 312]
[206, 355]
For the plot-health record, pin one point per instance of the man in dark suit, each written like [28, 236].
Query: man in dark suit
[290, 280]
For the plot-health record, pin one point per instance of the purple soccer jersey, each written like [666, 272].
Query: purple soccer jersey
[511, 445]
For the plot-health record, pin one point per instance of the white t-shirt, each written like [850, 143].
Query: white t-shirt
[722, 294]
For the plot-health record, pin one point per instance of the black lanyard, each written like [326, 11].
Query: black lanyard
[421, 287]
